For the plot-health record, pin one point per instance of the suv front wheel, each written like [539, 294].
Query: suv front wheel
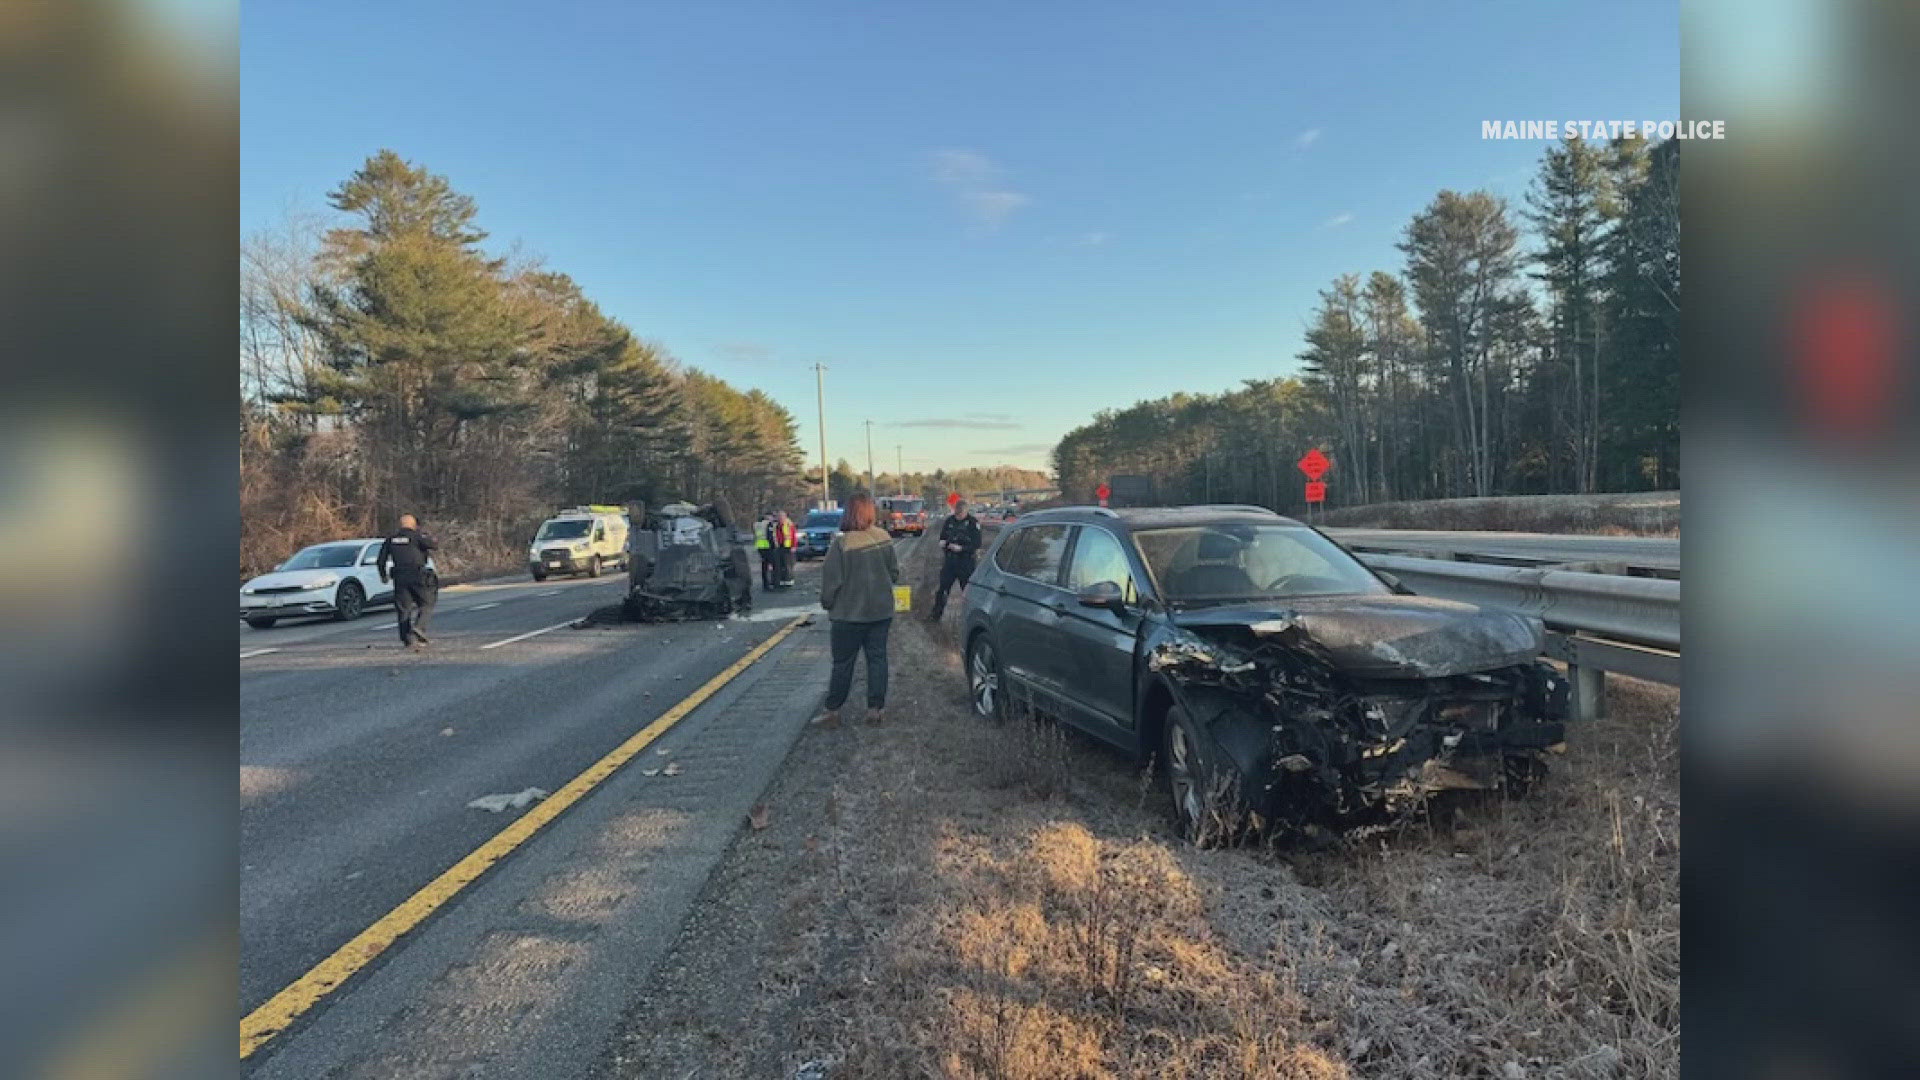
[985, 682]
[1200, 792]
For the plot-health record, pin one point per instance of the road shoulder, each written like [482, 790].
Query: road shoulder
[525, 973]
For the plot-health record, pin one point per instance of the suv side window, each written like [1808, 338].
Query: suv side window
[1099, 557]
[371, 556]
[1035, 552]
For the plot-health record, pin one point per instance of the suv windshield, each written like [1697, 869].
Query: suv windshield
[1229, 562]
[323, 557]
[823, 519]
[570, 529]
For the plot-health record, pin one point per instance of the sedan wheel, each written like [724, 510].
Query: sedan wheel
[983, 680]
[350, 601]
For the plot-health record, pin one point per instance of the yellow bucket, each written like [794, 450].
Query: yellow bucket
[902, 598]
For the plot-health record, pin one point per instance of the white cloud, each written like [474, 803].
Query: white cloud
[745, 351]
[993, 208]
[959, 424]
[979, 184]
[1307, 138]
[1337, 220]
[1093, 239]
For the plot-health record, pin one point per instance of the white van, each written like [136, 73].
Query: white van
[579, 540]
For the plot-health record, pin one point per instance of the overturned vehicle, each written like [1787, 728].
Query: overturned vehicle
[687, 562]
[1275, 678]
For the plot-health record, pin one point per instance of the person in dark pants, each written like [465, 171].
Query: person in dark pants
[959, 543]
[763, 543]
[403, 561]
[785, 538]
[856, 588]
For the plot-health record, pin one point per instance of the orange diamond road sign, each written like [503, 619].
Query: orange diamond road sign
[1316, 491]
[1314, 464]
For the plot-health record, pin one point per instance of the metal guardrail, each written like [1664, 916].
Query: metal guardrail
[1464, 552]
[1644, 611]
[1596, 622]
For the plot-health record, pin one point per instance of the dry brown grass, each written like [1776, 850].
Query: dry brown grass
[1646, 513]
[959, 899]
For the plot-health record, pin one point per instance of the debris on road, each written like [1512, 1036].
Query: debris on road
[759, 817]
[671, 770]
[518, 800]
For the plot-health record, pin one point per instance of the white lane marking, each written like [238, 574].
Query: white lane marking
[250, 653]
[549, 592]
[384, 626]
[482, 607]
[530, 633]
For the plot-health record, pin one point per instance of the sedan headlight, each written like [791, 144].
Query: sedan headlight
[246, 590]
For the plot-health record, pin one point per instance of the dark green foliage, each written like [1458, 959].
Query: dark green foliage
[437, 380]
[1490, 390]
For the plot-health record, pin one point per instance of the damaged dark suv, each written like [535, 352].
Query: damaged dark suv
[1277, 678]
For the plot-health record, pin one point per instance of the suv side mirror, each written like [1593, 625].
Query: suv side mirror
[1104, 594]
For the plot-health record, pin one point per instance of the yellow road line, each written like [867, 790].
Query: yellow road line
[274, 1015]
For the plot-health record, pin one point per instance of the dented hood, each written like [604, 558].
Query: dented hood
[1383, 636]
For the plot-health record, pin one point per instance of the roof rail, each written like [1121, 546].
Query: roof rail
[1244, 506]
[1081, 509]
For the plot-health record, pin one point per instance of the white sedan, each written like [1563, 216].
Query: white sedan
[337, 578]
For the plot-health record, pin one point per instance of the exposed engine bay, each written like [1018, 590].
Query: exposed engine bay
[1339, 717]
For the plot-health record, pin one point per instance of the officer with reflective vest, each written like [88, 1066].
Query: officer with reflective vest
[784, 538]
[763, 543]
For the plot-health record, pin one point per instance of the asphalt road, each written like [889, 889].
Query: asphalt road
[1660, 552]
[359, 760]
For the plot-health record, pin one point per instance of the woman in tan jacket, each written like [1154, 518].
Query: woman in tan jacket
[856, 588]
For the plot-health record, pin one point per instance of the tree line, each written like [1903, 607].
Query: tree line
[1484, 366]
[393, 364]
[844, 480]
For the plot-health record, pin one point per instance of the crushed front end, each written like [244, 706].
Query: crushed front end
[1323, 723]
[687, 567]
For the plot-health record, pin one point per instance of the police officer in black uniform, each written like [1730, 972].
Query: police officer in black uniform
[403, 560]
[959, 542]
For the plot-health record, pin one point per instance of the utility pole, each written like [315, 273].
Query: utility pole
[869, 457]
[900, 468]
[820, 392]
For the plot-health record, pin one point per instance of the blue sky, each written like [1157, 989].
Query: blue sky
[989, 220]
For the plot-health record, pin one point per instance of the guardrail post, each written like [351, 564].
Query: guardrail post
[1589, 692]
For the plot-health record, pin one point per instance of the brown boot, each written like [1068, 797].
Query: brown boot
[875, 716]
[830, 718]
